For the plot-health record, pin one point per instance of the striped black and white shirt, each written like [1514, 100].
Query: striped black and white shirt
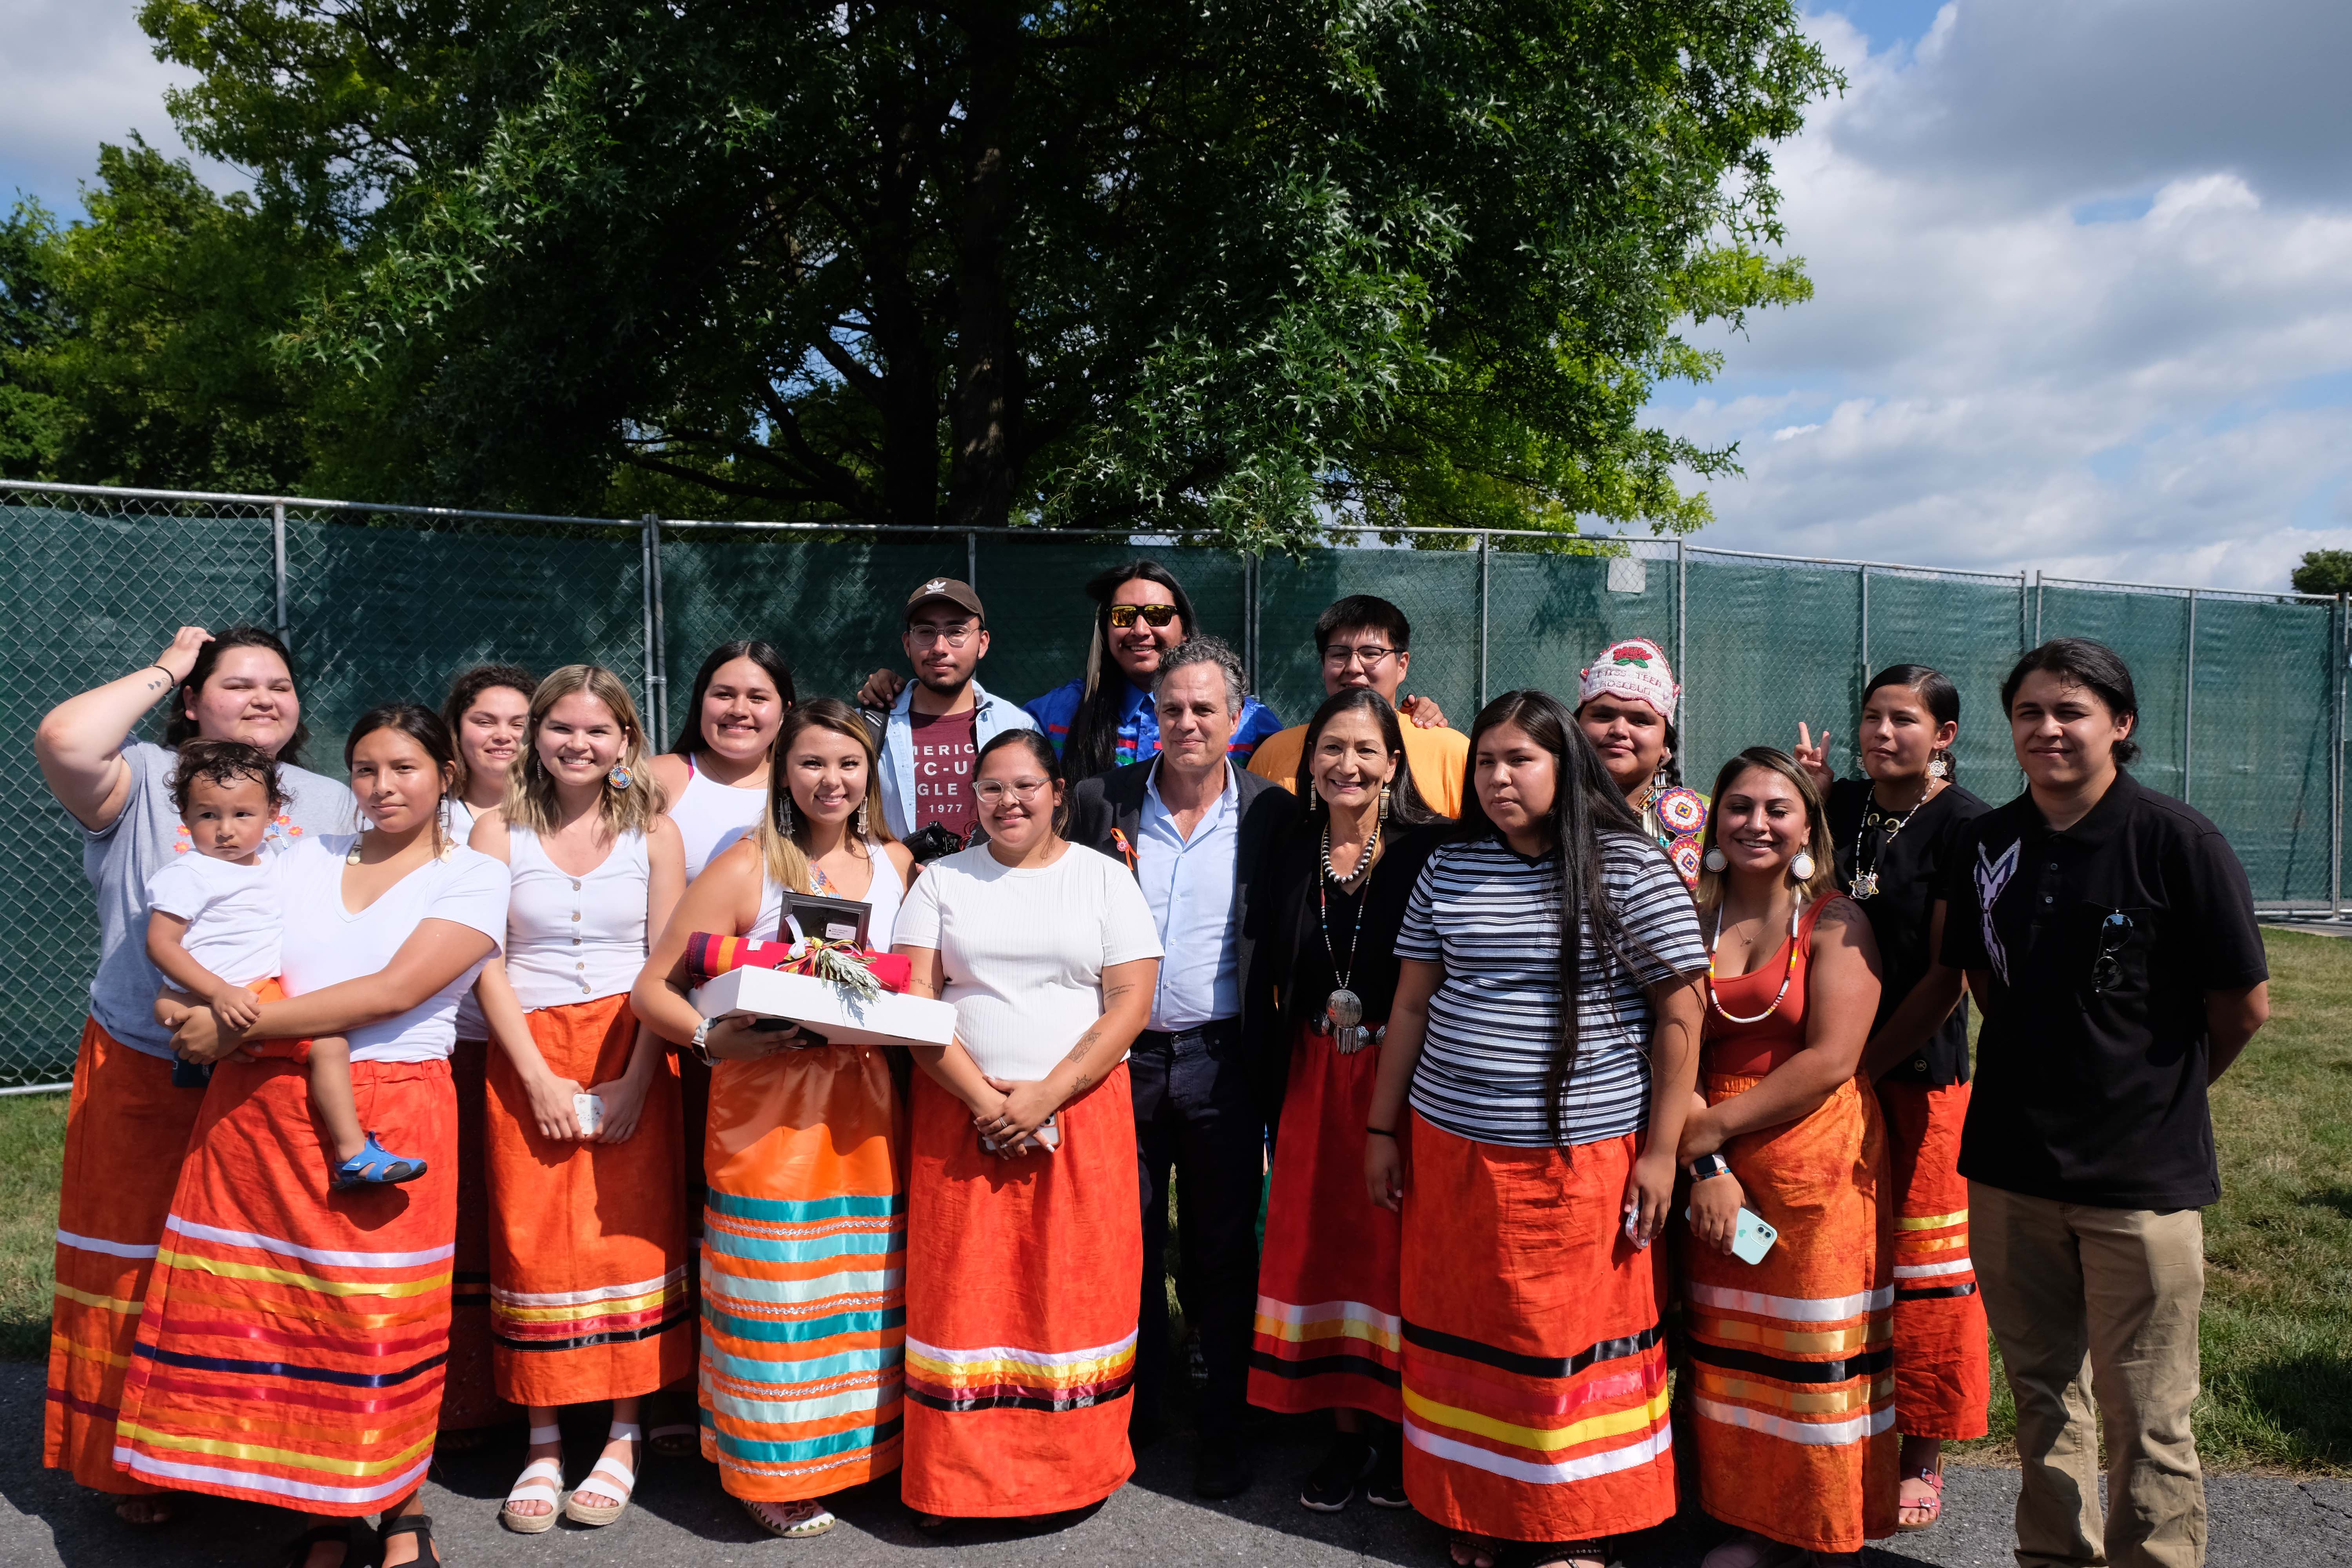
[1492, 918]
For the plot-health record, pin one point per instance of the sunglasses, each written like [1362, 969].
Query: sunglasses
[2107, 970]
[1154, 616]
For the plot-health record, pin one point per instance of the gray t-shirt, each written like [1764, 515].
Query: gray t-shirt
[119, 860]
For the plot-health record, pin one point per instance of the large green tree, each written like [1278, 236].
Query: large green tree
[1265, 265]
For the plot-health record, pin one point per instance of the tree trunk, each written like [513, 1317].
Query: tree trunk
[985, 413]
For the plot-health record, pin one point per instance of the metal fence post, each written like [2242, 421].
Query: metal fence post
[971, 560]
[1682, 640]
[2022, 643]
[645, 599]
[2189, 699]
[2037, 611]
[2338, 658]
[1862, 677]
[660, 676]
[277, 567]
[1486, 548]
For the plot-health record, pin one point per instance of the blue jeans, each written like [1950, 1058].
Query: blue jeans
[1195, 1112]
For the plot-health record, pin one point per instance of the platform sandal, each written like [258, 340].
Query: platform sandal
[376, 1166]
[419, 1525]
[816, 1522]
[611, 1478]
[1933, 1506]
[297, 1552]
[540, 1479]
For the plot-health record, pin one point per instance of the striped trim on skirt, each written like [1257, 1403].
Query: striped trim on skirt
[588, 1292]
[1327, 1334]
[1534, 1371]
[293, 1345]
[1943, 1368]
[803, 1273]
[1023, 1285]
[126, 1131]
[1792, 1360]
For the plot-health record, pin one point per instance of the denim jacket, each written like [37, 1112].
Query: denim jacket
[991, 717]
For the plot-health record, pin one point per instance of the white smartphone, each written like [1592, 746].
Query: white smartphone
[1751, 1239]
[1048, 1137]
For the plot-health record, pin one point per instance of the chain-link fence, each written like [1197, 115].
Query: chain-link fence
[382, 602]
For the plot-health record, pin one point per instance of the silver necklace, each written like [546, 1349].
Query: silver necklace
[1344, 1011]
[1865, 883]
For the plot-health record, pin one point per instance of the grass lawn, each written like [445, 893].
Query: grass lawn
[2278, 1302]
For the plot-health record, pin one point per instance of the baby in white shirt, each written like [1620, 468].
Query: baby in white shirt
[214, 927]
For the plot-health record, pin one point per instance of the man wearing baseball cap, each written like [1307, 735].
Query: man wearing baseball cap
[931, 738]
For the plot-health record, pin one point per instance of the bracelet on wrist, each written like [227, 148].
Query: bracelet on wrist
[1708, 1166]
[1380, 1131]
[167, 674]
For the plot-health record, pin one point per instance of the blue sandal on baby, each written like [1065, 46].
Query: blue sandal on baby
[375, 1166]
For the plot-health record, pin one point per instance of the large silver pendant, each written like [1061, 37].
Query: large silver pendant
[1867, 884]
[1345, 1009]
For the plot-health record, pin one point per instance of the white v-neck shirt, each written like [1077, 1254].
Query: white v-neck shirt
[326, 943]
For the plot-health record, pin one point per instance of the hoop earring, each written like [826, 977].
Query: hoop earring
[1715, 860]
[1801, 867]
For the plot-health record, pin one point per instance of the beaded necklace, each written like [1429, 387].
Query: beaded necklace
[1345, 1009]
[1796, 911]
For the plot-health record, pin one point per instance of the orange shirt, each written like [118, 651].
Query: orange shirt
[1435, 756]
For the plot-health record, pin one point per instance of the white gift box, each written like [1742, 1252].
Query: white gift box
[830, 1008]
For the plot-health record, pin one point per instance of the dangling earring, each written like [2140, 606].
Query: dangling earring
[784, 815]
[1384, 802]
[619, 777]
[1659, 783]
[1937, 766]
[1801, 869]
[861, 819]
[1715, 860]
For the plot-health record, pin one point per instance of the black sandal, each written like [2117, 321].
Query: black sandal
[419, 1525]
[298, 1554]
[1534, 1554]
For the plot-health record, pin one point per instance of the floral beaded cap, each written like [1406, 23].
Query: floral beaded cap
[1635, 669]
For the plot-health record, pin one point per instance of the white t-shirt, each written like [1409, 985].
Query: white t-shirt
[1022, 951]
[233, 913]
[471, 1025]
[327, 944]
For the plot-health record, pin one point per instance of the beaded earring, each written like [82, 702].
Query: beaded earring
[1384, 802]
[1939, 765]
[1801, 869]
[618, 779]
[861, 819]
[1715, 859]
[784, 815]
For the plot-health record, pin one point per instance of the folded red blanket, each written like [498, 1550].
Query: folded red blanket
[709, 956]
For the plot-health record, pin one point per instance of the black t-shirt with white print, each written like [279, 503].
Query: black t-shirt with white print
[2101, 943]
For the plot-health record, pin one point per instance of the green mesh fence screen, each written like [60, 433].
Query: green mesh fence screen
[2242, 696]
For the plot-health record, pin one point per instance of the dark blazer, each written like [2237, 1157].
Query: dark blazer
[1114, 802]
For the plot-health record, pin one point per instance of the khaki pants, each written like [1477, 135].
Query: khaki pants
[2097, 1303]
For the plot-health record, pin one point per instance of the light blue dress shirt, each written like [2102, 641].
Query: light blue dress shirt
[1190, 885]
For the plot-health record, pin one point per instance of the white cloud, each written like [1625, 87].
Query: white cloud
[80, 72]
[2079, 299]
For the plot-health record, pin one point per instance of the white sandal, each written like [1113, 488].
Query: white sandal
[540, 1479]
[617, 1479]
[816, 1524]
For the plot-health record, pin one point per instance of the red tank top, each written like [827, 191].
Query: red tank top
[1751, 1050]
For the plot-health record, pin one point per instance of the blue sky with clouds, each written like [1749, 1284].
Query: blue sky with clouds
[2083, 278]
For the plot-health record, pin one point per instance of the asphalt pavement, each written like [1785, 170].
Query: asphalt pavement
[682, 1519]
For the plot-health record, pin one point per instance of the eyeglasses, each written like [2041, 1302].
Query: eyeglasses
[2107, 970]
[993, 790]
[1338, 655]
[954, 635]
[1154, 616]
